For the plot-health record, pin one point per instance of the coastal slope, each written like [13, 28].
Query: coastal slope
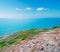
[36, 41]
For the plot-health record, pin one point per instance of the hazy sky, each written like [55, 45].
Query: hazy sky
[29, 8]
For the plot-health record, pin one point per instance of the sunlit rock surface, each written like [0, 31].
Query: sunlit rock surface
[42, 42]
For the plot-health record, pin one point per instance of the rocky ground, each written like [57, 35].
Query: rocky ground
[42, 42]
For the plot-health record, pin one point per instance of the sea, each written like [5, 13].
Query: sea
[10, 26]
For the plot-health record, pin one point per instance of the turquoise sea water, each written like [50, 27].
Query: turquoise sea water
[9, 26]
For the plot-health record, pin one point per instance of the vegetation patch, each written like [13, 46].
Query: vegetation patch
[2, 44]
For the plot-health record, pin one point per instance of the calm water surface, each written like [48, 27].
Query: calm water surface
[9, 26]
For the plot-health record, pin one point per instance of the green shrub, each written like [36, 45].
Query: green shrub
[2, 44]
[23, 36]
[12, 41]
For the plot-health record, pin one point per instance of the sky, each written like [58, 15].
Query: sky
[29, 8]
